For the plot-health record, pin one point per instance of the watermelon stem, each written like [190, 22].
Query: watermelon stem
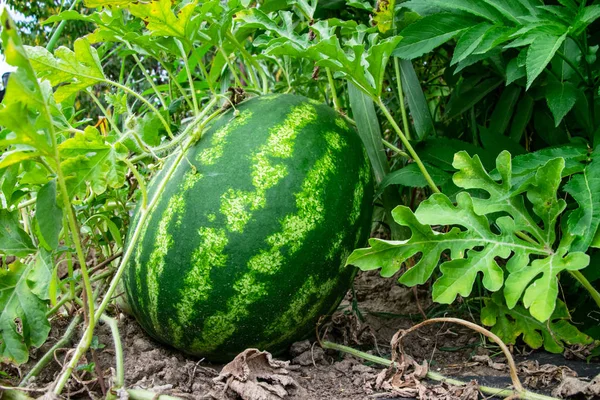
[407, 145]
[336, 100]
[506, 393]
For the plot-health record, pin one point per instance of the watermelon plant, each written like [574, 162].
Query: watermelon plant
[188, 152]
[248, 242]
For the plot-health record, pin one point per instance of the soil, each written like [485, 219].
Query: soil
[383, 307]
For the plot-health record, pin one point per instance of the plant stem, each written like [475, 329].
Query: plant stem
[394, 148]
[104, 111]
[149, 79]
[56, 34]
[573, 66]
[336, 101]
[120, 369]
[140, 180]
[252, 60]
[189, 75]
[586, 284]
[401, 98]
[407, 145]
[173, 80]
[145, 101]
[137, 394]
[525, 394]
[49, 356]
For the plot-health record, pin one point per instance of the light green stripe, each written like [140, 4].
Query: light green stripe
[237, 205]
[163, 242]
[218, 141]
[294, 228]
[197, 284]
[299, 312]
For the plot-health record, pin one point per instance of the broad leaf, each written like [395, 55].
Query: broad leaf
[476, 8]
[49, 215]
[89, 160]
[161, 20]
[561, 97]
[411, 176]
[14, 241]
[469, 40]
[430, 32]
[73, 70]
[540, 53]
[23, 322]
[496, 227]
[510, 324]
[585, 189]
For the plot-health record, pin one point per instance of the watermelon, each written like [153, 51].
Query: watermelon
[247, 245]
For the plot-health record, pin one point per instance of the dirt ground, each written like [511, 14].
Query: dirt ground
[311, 373]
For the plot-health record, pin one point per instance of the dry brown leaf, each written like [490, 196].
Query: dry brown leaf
[574, 386]
[485, 359]
[255, 375]
[542, 376]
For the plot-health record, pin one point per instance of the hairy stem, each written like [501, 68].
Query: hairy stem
[150, 80]
[189, 75]
[56, 34]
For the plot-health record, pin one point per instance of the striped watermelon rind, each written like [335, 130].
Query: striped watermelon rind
[247, 245]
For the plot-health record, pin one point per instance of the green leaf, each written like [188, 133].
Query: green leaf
[107, 3]
[13, 240]
[492, 228]
[504, 109]
[510, 324]
[23, 322]
[560, 97]
[13, 157]
[514, 71]
[73, 70]
[521, 118]
[89, 160]
[469, 40]
[440, 152]
[585, 189]
[41, 279]
[377, 57]
[540, 53]
[417, 103]
[365, 116]
[23, 112]
[476, 8]
[462, 101]
[161, 20]
[411, 176]
[49, 215]
[430, 32]
[585, 17]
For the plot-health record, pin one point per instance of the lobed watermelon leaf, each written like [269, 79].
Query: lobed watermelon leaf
[511, 323]
[487, 225]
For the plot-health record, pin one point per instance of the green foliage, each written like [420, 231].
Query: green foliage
[511, 323]
[498, 226]
[23, 320]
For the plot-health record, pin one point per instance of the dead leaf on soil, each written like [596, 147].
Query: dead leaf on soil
[255, 375]
[542, 376]
[485, 359]
[571, 386]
